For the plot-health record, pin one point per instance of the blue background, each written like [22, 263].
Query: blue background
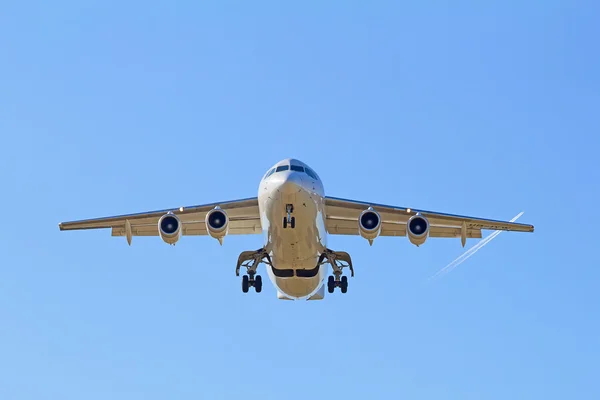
[477, 108]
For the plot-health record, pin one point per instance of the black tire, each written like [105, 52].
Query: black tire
[245, 284]
[293, 222]
[330, 284]
[258, 283]
[284, 222]
[344, 285]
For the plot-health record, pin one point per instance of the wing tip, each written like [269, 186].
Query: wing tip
[64, 226]
[524, 228]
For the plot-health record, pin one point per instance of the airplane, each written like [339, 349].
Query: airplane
[295, 217]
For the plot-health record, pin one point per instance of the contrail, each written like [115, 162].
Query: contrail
[463, 257]
[467, 254]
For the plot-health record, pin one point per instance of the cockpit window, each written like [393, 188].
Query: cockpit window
[297, 168]
[311, 174]
[269, 173]
[282, 168]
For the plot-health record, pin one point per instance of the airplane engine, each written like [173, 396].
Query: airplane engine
[217, 223]
[169, 228]
[369, 224]
[417, 229]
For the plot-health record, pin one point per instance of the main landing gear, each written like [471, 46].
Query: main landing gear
[288, 220]
[251, 280]
[332, 284]
[250, 260]
[338, 261]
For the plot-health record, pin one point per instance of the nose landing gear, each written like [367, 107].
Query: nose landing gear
[288, 219]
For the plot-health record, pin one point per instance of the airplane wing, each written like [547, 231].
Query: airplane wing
[243, 217]
[343, 214]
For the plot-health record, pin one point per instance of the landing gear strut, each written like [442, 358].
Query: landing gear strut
[338, 261]
[250, 260]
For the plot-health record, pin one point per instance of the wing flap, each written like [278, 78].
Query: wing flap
[350, 227]
[236, 227]
[451, 232]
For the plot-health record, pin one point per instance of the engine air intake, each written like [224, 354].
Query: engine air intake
[169, 228]
[417, 229]
[217, 223]
[369, 224]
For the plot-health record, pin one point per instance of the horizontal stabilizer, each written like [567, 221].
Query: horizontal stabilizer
[320, 295]
[282, 296]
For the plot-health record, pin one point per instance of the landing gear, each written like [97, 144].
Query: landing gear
[248, 281]
[288, 219]
[342, 283]
[338, 261]
[250, 260]
[292, 222]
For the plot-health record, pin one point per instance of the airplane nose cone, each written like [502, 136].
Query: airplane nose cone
[289, 183]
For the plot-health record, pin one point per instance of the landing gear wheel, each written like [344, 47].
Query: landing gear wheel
[344, 284]
[330, 284]
[245, 284]
[258, 283]
[293, 224]
[284, 222]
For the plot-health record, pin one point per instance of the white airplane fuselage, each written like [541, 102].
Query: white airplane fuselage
[294, 250]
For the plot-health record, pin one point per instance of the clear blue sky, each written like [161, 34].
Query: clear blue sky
[478, 108]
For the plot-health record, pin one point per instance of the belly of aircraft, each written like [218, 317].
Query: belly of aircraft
[295, 251]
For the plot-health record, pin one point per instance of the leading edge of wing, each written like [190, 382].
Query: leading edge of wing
[340, 202]
[108, 222]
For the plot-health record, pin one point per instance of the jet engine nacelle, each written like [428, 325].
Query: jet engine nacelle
[169, 228]
[369, 224]
[417, 229]
[217, 223]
